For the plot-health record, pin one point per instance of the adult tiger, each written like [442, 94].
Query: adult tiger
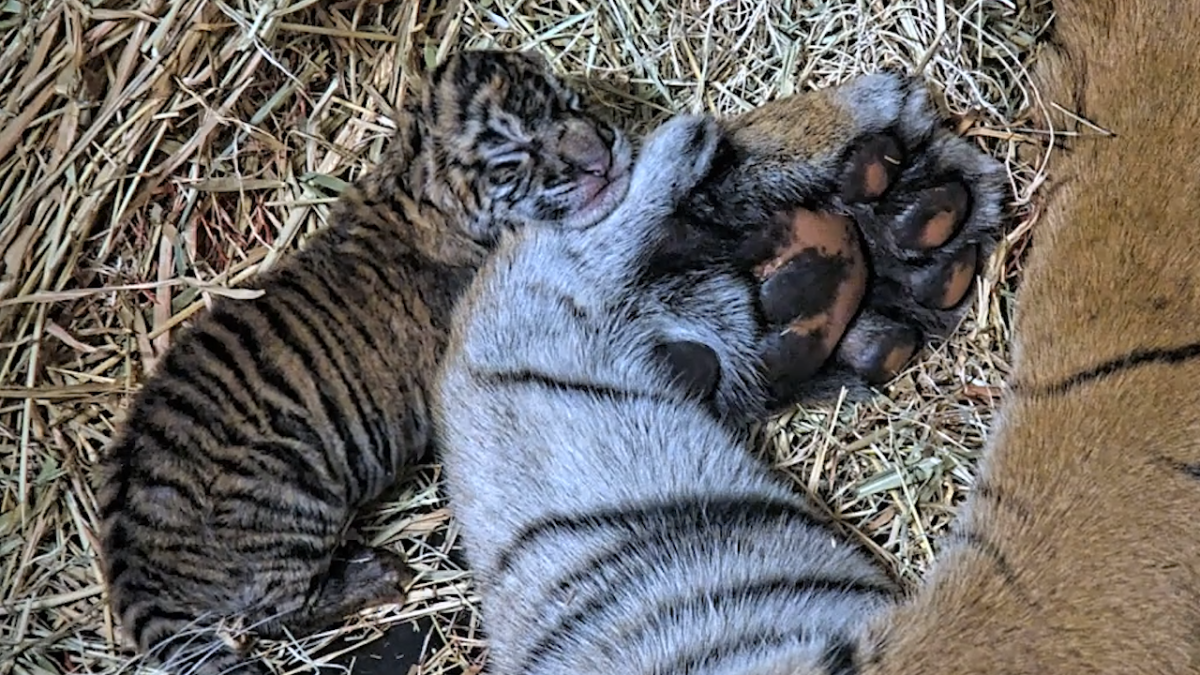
[1079, 549]
[615, 527]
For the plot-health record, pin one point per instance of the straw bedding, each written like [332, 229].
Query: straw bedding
[153, 153]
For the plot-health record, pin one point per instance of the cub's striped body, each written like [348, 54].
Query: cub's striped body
[226, 498]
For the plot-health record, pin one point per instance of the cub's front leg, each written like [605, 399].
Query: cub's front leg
[790, 182]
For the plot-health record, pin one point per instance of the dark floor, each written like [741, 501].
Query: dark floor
[393, 654]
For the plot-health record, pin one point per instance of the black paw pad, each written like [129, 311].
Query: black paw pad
[877, 348]
[944, 286]
[819, 273]
[934, 218]
[872, 168]
[790, 359]
[808, 287]
[696, 368]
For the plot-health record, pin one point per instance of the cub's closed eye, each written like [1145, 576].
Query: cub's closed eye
[503, 175]
[507, 168]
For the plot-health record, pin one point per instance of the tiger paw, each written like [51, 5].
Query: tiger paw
[926, 236]
[378, 575]
[927, 206]
[359, 577]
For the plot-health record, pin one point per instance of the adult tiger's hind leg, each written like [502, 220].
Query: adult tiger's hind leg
[927, 205]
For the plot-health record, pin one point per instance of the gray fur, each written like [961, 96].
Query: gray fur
[614, 523]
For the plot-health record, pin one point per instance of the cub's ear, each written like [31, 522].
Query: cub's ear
[695, 367]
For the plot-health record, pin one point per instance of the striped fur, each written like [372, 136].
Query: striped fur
[613, 519]
[1078, 551]
[226, 497]
[613, 522]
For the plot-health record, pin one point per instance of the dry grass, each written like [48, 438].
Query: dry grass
[153, 153]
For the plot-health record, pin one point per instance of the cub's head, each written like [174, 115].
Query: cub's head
[512, 146]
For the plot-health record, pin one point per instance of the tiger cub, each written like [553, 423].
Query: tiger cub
[612, 515]
[226, 496]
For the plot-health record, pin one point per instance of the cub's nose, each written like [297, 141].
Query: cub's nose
[583, 148]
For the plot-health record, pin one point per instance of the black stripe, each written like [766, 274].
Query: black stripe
[299, 429]
[118, 563]
[413, 293]
[157, 614]
[412, 132]
[184, 486]
[206, 341]
[202, 412]
[235, 466]
[1134, 359]
[1189, 470]
[156, 442]
[153, 582]
[701, 599]
[290, 425]
[261, 506]
[371, 264]
[707, 658]
[211, 385]
[282, 422]
[695, 511]
[248, 339]
[352, 452]
[288, 548]
[526, 377]
[878, 651]
[232, 503]
[325, 305]
[352, 385]
[196, 547]
[289, 516]
[464, 89]
[285, 332]
[295, 470]
[755, 592]
[1022, 508]
[989, 549]
[564, 300]
[208, 351]
[150, 519]
[841, 657]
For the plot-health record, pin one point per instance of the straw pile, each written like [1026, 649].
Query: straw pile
[153, 153]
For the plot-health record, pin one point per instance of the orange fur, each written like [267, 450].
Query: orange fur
[1079, 550]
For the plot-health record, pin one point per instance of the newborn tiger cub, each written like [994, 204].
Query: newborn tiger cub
[612, 515]
[226, 497]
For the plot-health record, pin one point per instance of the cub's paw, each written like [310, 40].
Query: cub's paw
[378, 576]
[359, 577]
[927, 205]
